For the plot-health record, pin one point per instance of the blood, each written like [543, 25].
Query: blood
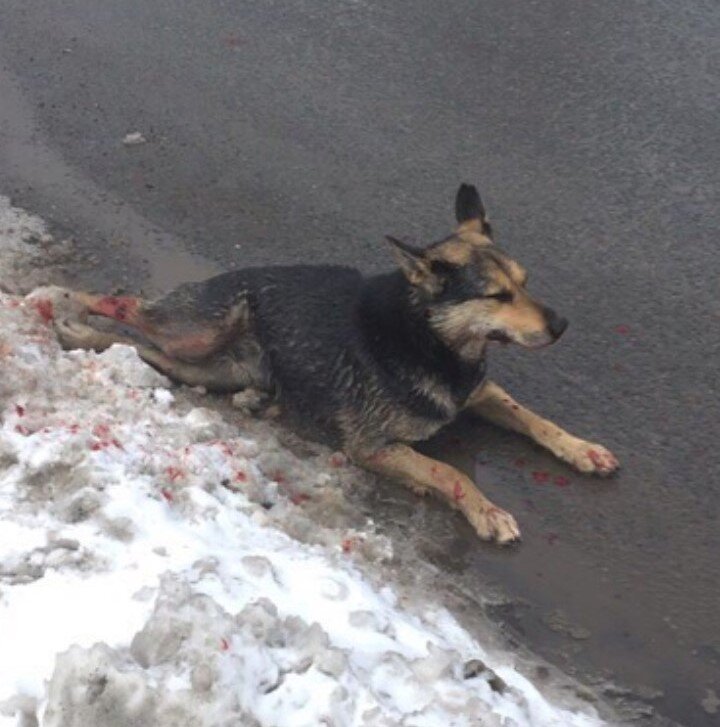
[117, 444]
[337, 459]
[458, 492]
[20, 410]
[121, 309]
[540, 477]
[224, 645]
[101, 430]
[167, 494]
[562, 481]
[45, 308]
[347, 545]
[20, 429]
[174, 473]
[622, 329]
[298, 498]
[240, 476]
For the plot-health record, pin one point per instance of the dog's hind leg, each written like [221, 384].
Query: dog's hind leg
[217, 374]
[423, 474]
[493, 403]
[175, 324]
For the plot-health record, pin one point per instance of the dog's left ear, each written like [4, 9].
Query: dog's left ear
[412, 261]
[470, 211]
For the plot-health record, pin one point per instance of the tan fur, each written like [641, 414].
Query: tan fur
[423, 474]
[494, 404]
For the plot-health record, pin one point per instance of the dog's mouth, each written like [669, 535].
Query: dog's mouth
[499, 336]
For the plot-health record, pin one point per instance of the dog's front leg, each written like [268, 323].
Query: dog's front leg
[493, 403]
[423, 474]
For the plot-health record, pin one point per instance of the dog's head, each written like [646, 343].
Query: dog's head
[470, 291]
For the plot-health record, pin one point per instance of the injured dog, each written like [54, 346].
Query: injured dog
[379, 362]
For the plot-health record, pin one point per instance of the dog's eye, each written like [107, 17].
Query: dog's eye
[502, 296]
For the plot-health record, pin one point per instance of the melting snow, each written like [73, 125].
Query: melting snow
[157, 568]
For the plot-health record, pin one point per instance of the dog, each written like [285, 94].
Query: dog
[378, 362]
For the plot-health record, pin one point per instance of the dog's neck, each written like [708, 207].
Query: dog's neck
[395, 322]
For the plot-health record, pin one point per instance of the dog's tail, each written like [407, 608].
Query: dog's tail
[468, 205]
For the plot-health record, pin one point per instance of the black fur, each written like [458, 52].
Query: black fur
[468, 205]
[341, 350]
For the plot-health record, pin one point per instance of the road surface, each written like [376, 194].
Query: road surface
[285, 131]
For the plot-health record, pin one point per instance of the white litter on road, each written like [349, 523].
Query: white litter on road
[158, 567]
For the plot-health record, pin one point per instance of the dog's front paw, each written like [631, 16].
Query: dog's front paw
[492, 523]
[592, 459]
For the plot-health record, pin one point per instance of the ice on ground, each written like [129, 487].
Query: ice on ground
[159, 567]
[29, 255]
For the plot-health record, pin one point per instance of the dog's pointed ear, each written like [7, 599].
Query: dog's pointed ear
[412, 261]
[470, 211]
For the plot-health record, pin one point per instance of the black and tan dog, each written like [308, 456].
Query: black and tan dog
[380, 362]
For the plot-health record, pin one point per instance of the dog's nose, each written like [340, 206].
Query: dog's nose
[556, 324]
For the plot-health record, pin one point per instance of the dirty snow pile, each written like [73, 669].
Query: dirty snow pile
[159, 568]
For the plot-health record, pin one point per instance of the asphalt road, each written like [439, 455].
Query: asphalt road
[282, 131]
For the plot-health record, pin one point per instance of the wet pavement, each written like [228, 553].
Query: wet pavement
[288, 131]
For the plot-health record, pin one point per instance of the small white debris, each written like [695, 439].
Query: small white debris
[134, 138]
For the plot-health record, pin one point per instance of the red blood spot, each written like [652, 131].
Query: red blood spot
[622, 329]
[20, 410]
[520, 462]
[232, 40]
[117, 444]
[174, 473]
[20, 429]
[458, 492]
[74, 428]
[552, 538]
[167, 494]
[347, 545]
[298, 497]
[121, 309]
[561, 481]
[45, 308]
[337, 459]
[101, 430]
[224, 645]
[240, 476]
[540, 477]
[96, 446]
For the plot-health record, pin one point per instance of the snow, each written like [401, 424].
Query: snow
[161, 566]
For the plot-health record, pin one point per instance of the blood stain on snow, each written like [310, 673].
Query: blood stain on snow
[174, 473]
[45, 308]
